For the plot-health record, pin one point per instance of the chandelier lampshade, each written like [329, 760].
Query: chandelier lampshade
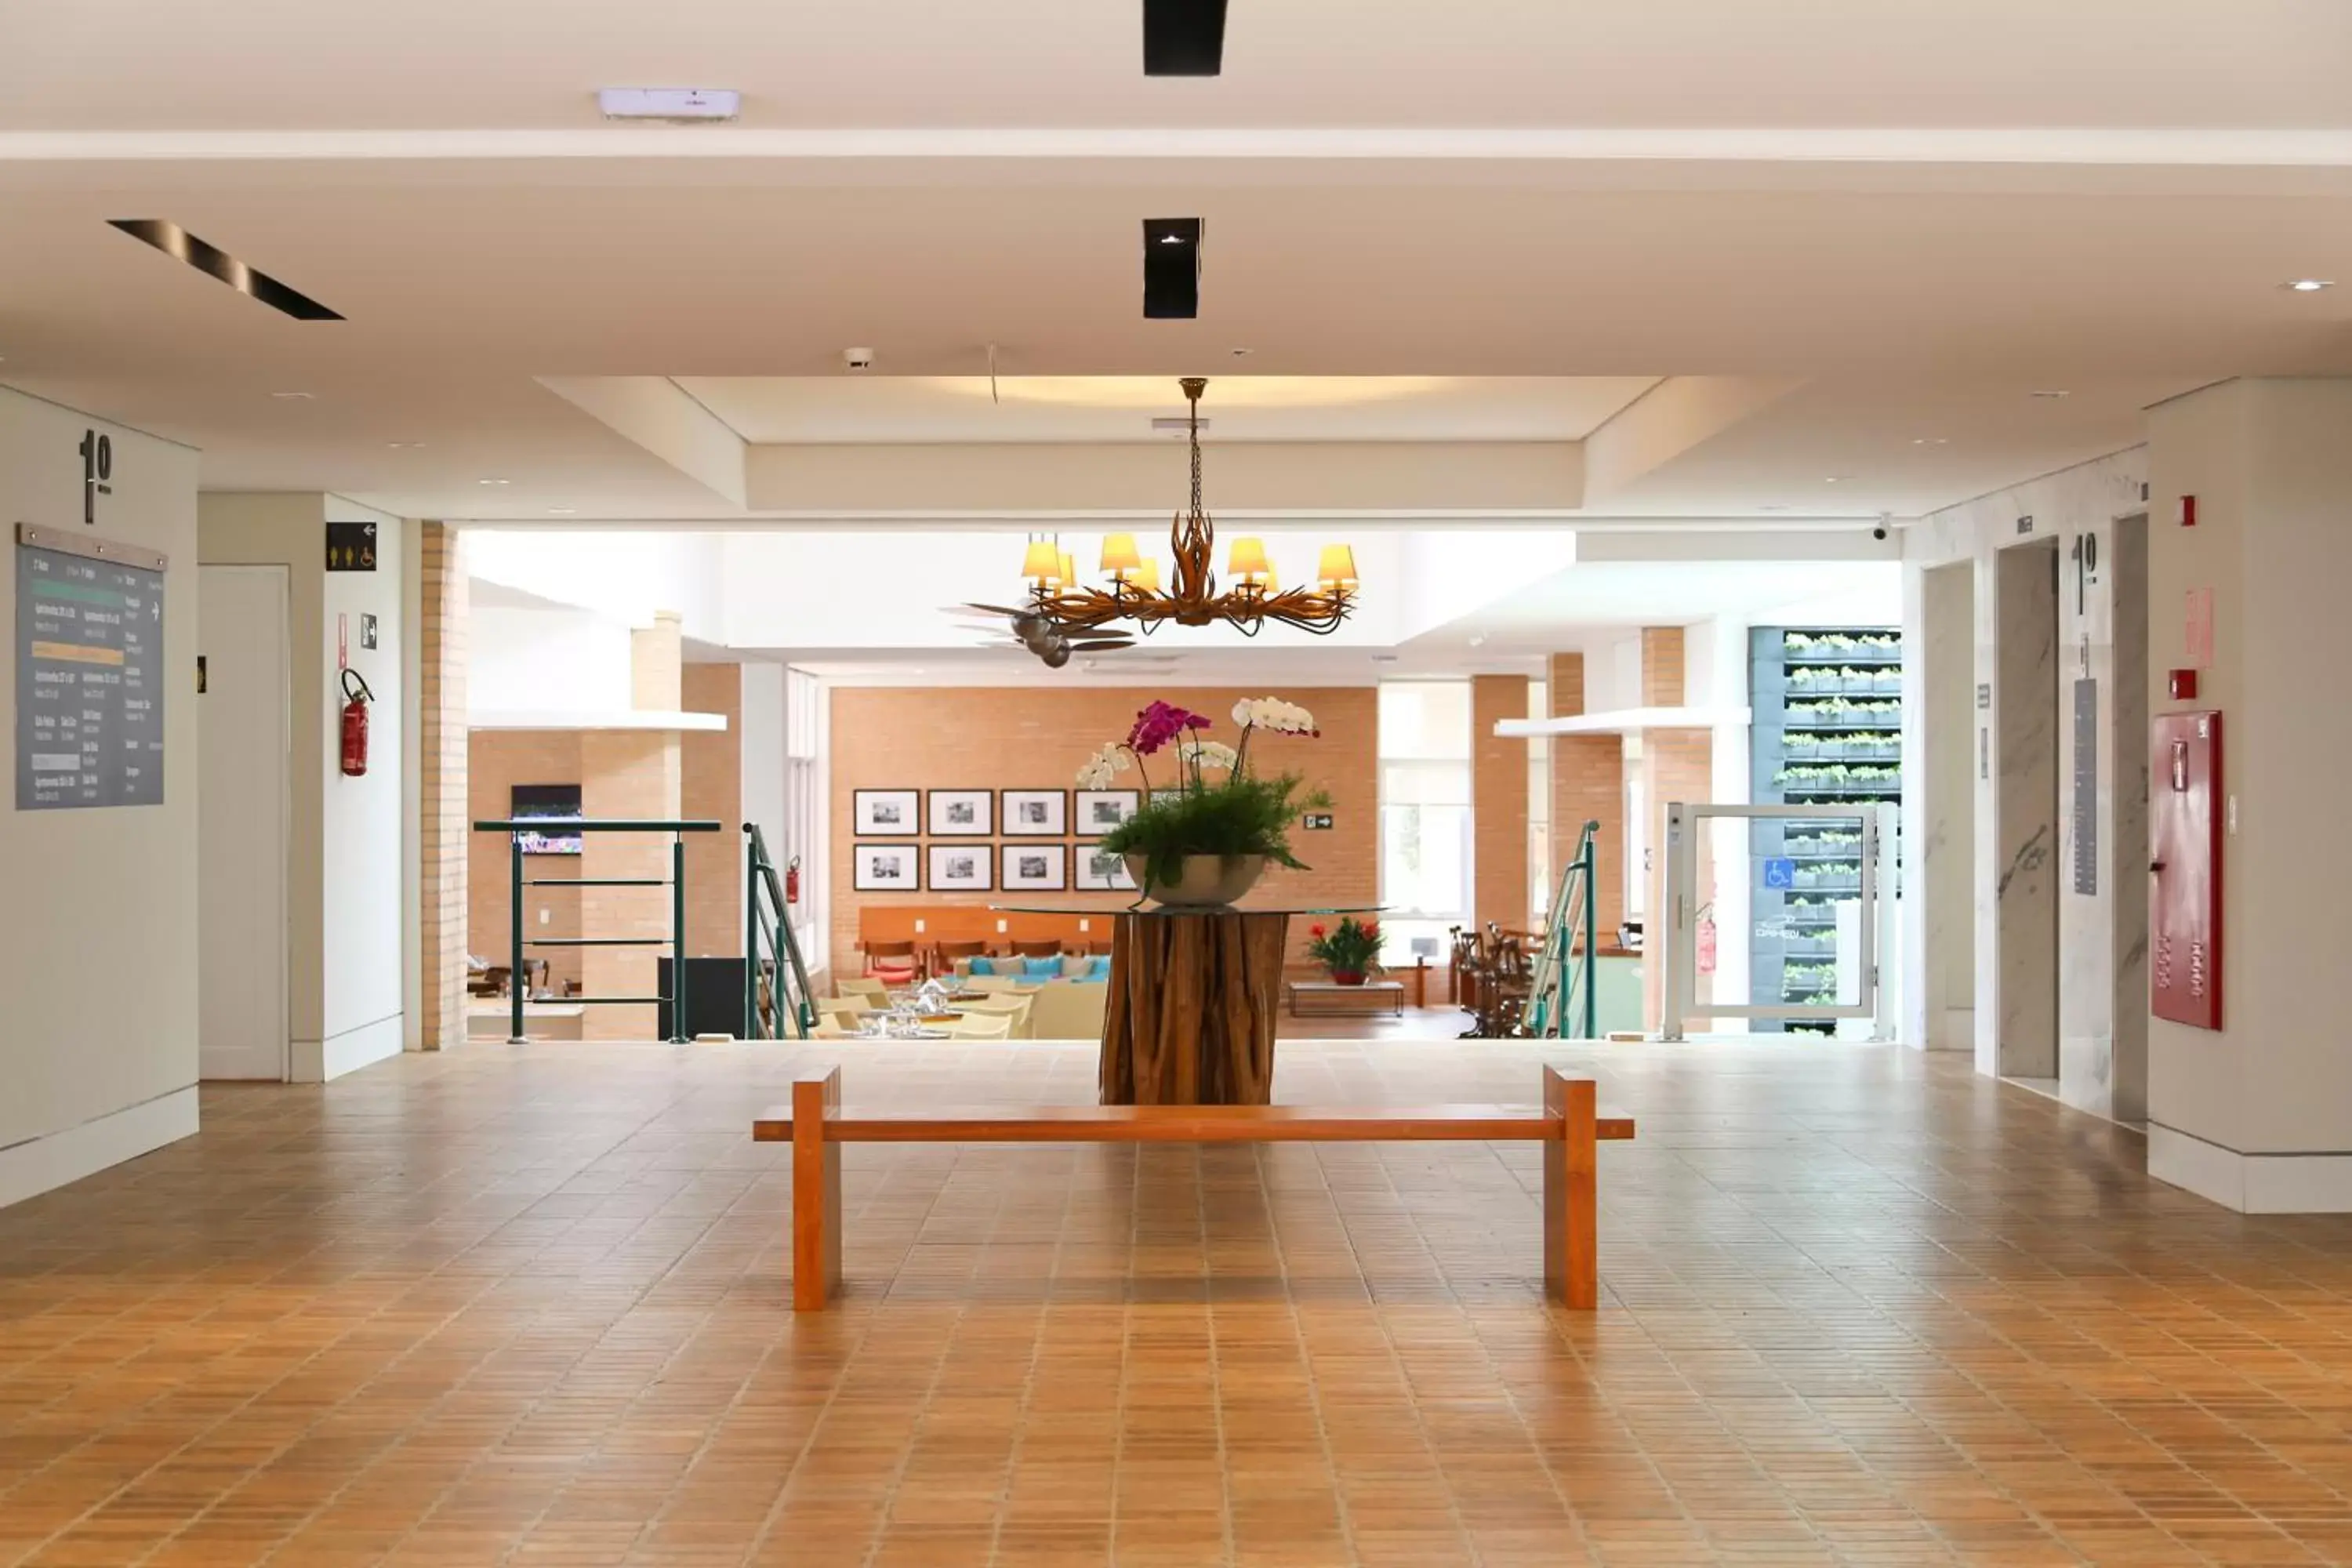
[1062, 614]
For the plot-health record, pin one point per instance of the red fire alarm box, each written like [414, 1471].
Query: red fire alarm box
[2185, 825]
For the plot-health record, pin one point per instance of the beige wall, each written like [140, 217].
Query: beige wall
[711, 786]
[1036, 737]
[97, 973]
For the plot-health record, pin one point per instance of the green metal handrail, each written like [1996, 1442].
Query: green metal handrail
[676, 882]
[784, 950]
[1566, 969]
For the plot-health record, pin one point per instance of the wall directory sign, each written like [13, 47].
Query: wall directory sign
[89, 677]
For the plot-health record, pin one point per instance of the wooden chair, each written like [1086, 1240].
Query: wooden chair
[1050, 948]
[871, 992]
[945, 953]
[893, 963]
[1569, 1125]
[981, 1026]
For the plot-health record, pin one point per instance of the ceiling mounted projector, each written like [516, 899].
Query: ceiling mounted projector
[674, 105]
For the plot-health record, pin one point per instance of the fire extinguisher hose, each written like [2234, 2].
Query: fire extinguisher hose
[364, 694]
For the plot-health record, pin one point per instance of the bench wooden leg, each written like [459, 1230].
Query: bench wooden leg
[817, 1193]
[1571, 1192]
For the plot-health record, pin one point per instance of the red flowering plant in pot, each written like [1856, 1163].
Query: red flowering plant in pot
[1350, 950]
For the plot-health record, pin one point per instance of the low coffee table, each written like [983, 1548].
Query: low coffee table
[1388, 992]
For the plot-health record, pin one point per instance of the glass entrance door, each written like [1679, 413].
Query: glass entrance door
[1774, 912]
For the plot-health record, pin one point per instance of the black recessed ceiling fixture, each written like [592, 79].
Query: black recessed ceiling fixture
[1183, 38]
[1171, 269]
[173, 240]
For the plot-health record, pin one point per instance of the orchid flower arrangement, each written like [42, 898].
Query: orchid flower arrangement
[1241, 814]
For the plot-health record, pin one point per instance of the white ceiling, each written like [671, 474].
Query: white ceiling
[434, 64]
[1922, 209]
[866, 408]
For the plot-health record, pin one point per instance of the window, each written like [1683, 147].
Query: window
[804, 791]
[1425, 746]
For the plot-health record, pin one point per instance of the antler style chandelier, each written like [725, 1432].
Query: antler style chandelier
[1061, 609]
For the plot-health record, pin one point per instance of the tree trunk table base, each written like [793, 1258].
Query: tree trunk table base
[1193, 1005]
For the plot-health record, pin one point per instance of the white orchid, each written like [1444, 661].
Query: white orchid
[1273, 714]
[1212, 754]
[1101, 770]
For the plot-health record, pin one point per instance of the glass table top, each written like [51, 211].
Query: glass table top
[1173, 910]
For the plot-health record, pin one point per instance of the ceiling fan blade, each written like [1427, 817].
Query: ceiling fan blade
[1100, 644]
[993, 609]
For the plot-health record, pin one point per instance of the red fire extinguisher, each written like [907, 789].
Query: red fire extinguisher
[792, 881]
[1706, 943]
[355, 723]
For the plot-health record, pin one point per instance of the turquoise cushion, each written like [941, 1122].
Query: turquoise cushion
[1097, 968]
[981, 966]
[1041, 969]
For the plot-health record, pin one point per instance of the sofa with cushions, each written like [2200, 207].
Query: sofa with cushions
[1072, 994]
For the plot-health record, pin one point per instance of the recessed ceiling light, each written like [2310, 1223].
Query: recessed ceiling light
[1772, 506]
[494, 481]
[2308, 285]
[404, 446]
[292, 396]
[1837, 478]
[1238, 352]
[2053, 394]
[1930, 440]
[562, 511]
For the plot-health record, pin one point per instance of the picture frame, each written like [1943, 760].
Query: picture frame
[960, 813]
[961, 868]
[885, 868]
[1102, 871]
[1034, 868]
[883, 813]
[1097, 811]
[1037, 813]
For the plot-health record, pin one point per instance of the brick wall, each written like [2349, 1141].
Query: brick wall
[498, 760]
[1662, 667]
[444, 872]
[1498, 799]
[711, 786]
[1036, 737]
[626, 774]
[1588, 784]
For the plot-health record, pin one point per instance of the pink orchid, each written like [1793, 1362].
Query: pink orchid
[1159, 724]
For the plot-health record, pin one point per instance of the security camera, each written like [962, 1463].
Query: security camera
[1878, 532]
[857, 359]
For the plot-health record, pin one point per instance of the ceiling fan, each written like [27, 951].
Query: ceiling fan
[1037, 635]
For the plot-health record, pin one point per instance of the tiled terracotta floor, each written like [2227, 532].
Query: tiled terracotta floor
[526, 1307]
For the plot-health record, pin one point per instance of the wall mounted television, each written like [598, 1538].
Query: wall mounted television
[547, 800]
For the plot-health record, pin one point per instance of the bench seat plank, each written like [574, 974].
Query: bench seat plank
[1189, 1124]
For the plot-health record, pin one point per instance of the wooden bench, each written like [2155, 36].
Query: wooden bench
[1568, 1124]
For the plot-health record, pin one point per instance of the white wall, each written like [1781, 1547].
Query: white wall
[364, 832]
[540, 660]
[348, 905]
[2258, 1114]
[627, 574]
[97, 967]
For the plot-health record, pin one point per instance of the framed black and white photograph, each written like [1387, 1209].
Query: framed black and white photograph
[1036, 814]
[1034, 868]
[885, 868]
[962, 813]
[878, 813]
[961, 868]
[1102, 870]
[1100, 810]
